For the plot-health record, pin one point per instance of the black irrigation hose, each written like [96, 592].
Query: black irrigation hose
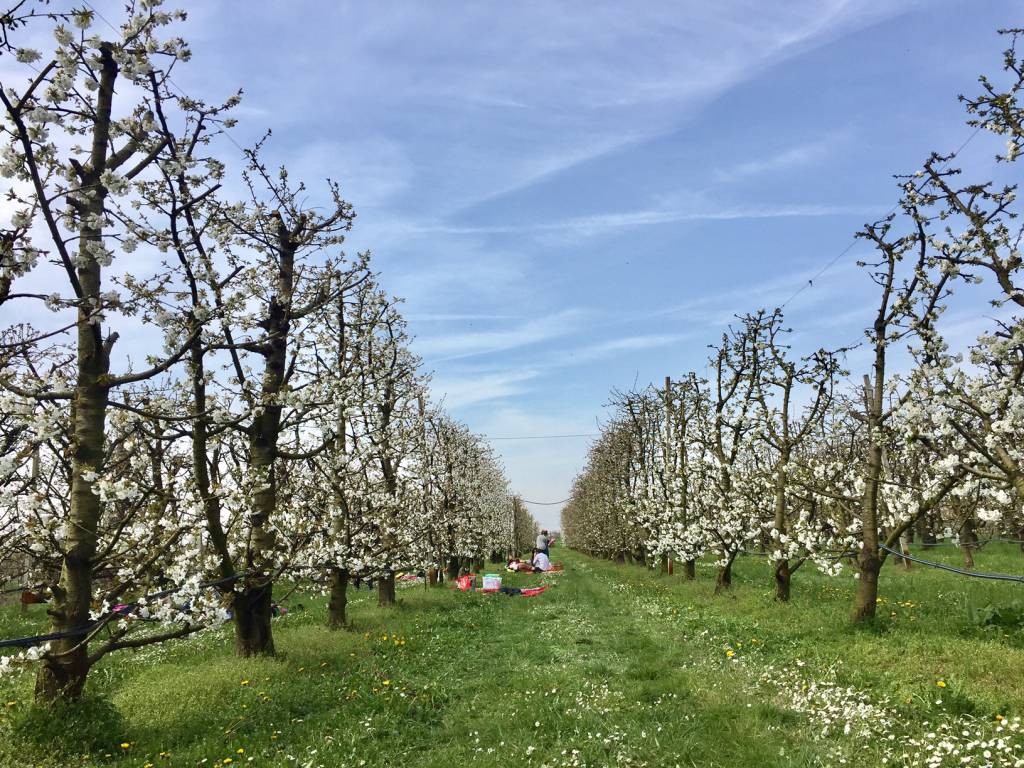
[954, 569]
[967, 544]
[34, 640]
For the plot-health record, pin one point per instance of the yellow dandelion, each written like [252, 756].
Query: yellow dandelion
[387, 682]
[244, 682]
[941, 683]
[227, 761]
[240, 751]
[125, 745]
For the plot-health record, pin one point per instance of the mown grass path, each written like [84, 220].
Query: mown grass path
[612, 666]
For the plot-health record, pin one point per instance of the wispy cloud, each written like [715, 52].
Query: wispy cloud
[441, 348]
[720, 307]
[787, 159]
[465, 390]
[623, 345]
[602, 223]
[441, 317]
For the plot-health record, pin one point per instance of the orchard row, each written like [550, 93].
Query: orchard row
[200, 393]
[786, 454]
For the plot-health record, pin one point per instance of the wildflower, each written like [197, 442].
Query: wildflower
[387, 682]
[125, 745]
[240, 751]
[941, 683]
[244, 682]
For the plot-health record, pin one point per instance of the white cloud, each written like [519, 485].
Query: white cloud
[627, 344]
[466, 389]
[603, 223]
[784, 160]
[458, 345]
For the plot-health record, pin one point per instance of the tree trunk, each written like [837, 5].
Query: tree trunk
[386, 589]
[969, 540]
[690, 569]
[867, 587]
[869, 563]
[723, 580]
[65, 667]
[337, 606]
[432, 577]
[252, 615]
[905, 549]
[453, 568]
[783, 576]
[252, 618]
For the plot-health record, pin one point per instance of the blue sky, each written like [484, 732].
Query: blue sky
[579, 195]
[576, 196]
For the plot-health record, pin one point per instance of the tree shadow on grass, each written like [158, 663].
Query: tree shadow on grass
[52, 734]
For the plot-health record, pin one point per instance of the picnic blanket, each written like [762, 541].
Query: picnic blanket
[465, 584]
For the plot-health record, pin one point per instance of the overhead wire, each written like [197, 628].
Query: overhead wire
[835, 259]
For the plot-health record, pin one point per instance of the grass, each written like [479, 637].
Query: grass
[614, 665]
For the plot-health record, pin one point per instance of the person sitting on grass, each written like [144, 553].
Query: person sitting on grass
[541, 561]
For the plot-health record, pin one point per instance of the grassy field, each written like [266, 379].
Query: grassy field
[612, 666]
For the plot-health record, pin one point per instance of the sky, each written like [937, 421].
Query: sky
[577, 196]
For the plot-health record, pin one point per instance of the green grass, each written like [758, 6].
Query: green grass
[614, 665]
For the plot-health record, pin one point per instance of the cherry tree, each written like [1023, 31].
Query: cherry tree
[779, 391]
[80, 140]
